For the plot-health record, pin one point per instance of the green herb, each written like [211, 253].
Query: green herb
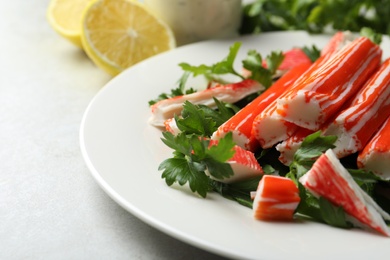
[192, 156]
[373, 36]
[312, 52]
[318, 209]
[312, 147]
[179, 91]
[203, 120]
[254, 64]
[217, 71]
[238, 191]
[214, 72]
[316, 15]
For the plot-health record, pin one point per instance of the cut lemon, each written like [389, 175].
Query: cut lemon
[65, 17]
[117, 34]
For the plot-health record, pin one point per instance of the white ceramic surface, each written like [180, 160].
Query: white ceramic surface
[123, 152]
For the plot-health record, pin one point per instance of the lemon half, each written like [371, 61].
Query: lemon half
[65, 18]
[117, 34]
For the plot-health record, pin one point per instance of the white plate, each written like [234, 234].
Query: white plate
[123, 152]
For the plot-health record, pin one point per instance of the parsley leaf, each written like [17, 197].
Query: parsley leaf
[179, 91]
[192, 157]
[238, 191]
[313, 15]
[312, 52]
[312, 147]
[254, 63]
[203, 120]
[194, 121]
[333, 215]
[371, 34]
[214, 72]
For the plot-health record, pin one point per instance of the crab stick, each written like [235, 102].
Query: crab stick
[269, 127]
[330, 180]
[241, 123]
[318, 97]
[229, 93]
[355, 125]
[171, 126]
[336, 43]
[276, 198]
[357, 121]
[243, 163]
[375, 156]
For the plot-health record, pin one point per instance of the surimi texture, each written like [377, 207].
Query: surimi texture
[241, 123]
[329, 179]
[322, 94]
[355, 125]
[269, 127]
[375, 156]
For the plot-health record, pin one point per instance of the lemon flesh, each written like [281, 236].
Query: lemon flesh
[65, 18]
[117, 34]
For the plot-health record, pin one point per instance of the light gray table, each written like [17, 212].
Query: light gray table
[50, 206]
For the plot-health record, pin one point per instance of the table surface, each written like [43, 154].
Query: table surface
[50, 206]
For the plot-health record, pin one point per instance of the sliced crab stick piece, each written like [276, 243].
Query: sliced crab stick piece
[243, 163]
[229, 93]
[171, 126]
[276, 198]
[375, 156]
[355, 125]
[321, 95]
[330, 180]
[269, 127]
[293, 58]
[241, 123]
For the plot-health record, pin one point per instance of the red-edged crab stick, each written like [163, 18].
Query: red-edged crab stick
[229, 93]
[330, 180]
[276, 198]
[243, 163]
[241, 123]
[321, 95]
[269, 127]
[355, 125]
[375, 156]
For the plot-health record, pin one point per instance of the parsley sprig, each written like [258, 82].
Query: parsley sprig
[321, 209]
[194, 158]
[314, 15]
[219, 71]
[318, 209]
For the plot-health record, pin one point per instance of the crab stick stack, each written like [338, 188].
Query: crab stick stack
[322, 94]
[241, 123]
[269, 127]
[355, 125]
[357, 121]
[329, 179]
[375, 156]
